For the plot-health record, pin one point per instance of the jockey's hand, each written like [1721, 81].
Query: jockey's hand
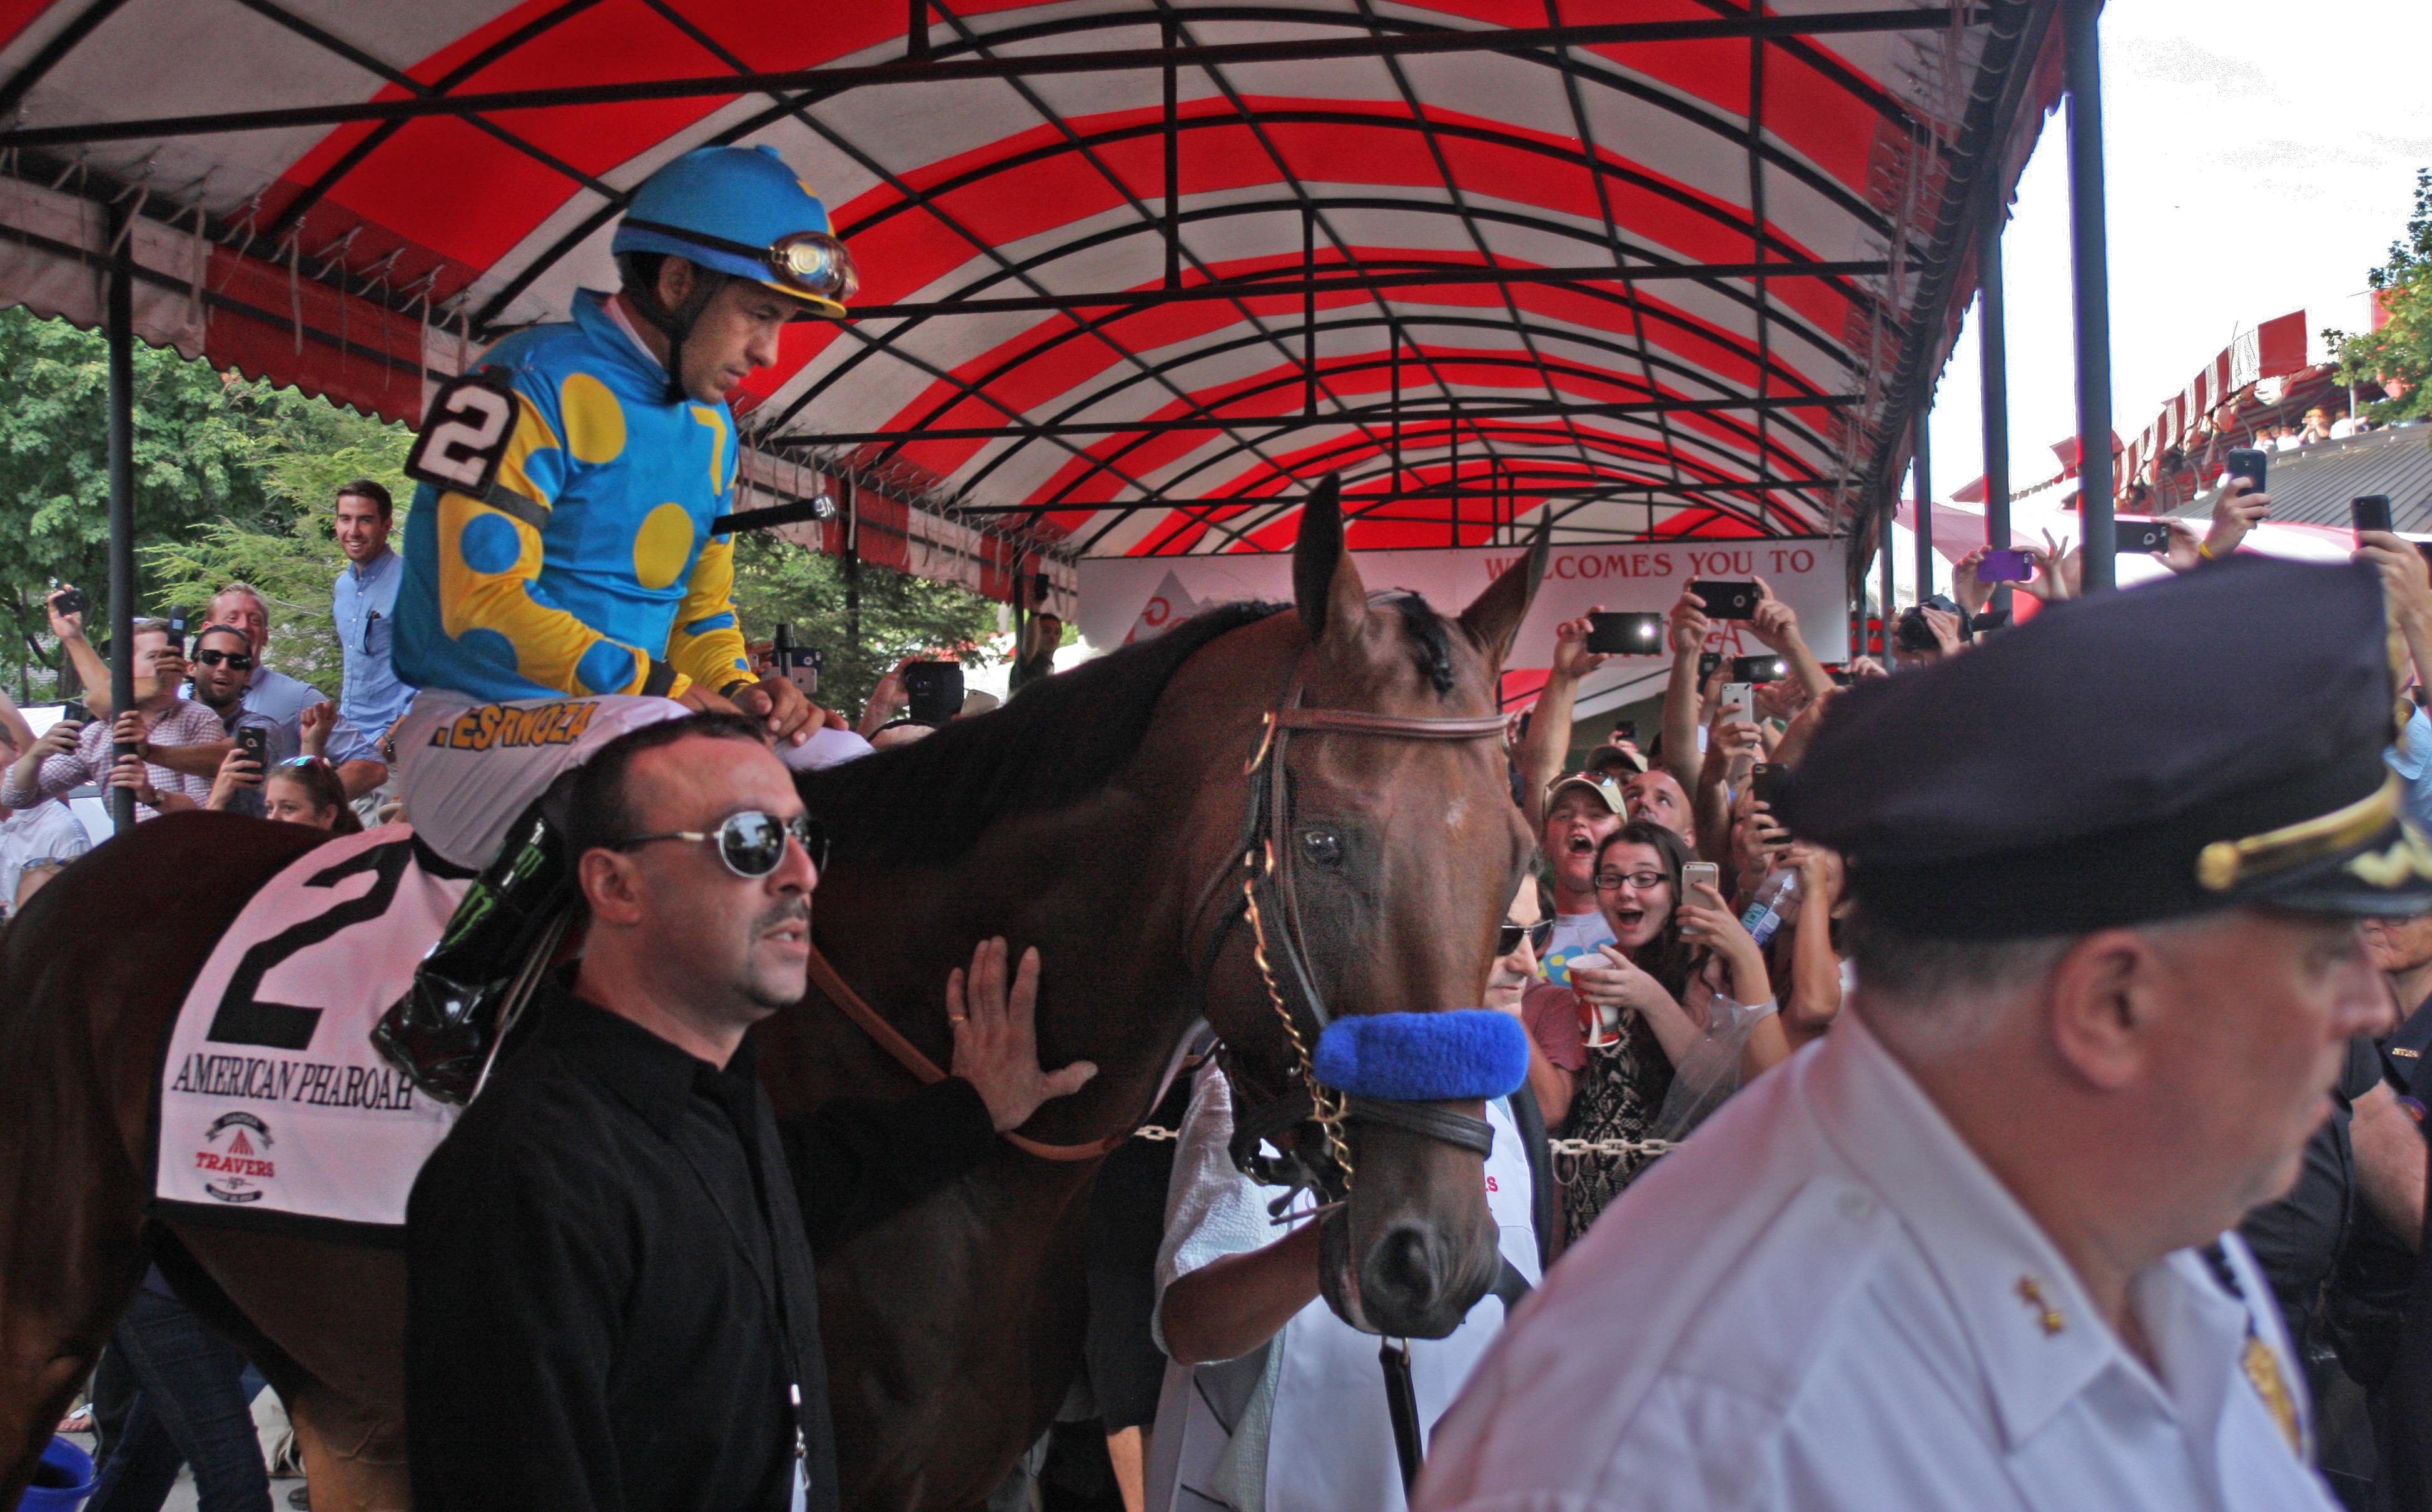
[996, 1038]
[790, 717]
[701, 700]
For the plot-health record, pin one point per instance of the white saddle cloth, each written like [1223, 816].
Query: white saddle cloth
[275, 1109]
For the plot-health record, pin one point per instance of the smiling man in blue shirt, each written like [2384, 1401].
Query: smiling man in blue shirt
[371, 697]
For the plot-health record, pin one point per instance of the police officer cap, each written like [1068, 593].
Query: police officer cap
[2213, 740]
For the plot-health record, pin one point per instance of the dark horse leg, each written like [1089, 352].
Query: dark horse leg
[89, 976]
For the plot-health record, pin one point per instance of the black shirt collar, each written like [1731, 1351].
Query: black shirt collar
[651, 1074]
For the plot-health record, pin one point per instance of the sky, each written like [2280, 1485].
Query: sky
[2260, 159]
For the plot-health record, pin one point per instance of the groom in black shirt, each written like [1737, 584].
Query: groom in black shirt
[611, 1300]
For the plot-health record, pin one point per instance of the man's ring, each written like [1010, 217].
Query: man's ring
[956, 1018]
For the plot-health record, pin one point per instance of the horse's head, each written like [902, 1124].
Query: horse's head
[1397, 849]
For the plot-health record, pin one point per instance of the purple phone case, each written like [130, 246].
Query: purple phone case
[2003, 567]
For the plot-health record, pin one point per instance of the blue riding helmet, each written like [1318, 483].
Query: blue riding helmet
[741, 211]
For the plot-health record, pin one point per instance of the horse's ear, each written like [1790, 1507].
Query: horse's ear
[1325, 584]
[1495, 617]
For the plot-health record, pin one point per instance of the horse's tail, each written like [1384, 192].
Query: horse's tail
[91, 974]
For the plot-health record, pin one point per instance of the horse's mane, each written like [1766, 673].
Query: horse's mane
[1061, 740]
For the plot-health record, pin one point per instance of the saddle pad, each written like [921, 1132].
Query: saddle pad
[275, 1109]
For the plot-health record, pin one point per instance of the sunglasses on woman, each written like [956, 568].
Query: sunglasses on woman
[1537, 934]
[752, 844]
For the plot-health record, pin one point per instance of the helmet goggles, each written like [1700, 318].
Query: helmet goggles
[813, 265]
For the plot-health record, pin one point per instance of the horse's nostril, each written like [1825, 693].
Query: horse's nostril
[1404, 1270]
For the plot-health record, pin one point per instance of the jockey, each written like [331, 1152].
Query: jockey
[561, 585]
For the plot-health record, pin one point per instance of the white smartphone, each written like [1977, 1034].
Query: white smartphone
[1738, 695]
[1700, 873]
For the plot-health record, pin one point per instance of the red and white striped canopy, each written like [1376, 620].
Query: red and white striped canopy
[1658, 268]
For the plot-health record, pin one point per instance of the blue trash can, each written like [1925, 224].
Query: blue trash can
[61, 1481]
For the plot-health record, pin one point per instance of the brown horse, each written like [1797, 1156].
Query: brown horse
[1102, 817]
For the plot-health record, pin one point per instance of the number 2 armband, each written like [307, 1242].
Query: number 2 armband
[464, 438]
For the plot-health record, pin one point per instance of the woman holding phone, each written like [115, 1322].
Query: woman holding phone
[1618, 1031]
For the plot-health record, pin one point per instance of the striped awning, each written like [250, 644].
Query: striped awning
[1134, 271]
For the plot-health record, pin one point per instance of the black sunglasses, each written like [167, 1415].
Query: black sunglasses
[752, 844]
[235, 659]
[1538, 933]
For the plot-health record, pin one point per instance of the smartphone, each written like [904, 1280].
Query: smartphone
[1707, 662]
[1728, 600]
[2247, 463]
[1842, 677]
[1737, 695]
[2143, 537]
[936, 690]
[2370, 511]
[177, 631]
[798, 665]
[70, 602]
[1766, 781]
[255, 742]
[1759, 669]
[1632, 635]
[73, 709]
[1625, 730]
[2003, 567]
[1700, 873]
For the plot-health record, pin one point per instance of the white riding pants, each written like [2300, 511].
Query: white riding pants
[467, 769]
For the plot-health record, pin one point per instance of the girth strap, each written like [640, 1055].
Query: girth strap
[1409, 727]
[907, 1054]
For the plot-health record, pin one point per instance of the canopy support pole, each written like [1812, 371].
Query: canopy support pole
[2090, 279]
[1172, 163]
[121, 495]
[1884, 596]
[1922, 472]
[1993, 348]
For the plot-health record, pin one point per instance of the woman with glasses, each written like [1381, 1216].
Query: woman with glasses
[1623, 1026]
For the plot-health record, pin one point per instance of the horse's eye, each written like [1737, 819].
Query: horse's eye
[1324, 848]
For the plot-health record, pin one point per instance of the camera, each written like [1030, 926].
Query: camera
[1630, 634]
[1759, 669]
[1728, 600]
[71, 601]
[935, 690]
[1913, 633]
[798, 665]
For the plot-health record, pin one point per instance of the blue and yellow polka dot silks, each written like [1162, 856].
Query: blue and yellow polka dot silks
[624, 569]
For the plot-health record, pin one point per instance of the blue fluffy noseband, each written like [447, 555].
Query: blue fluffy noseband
[1447, 1057]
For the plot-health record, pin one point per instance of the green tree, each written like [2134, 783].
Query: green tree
[901, 615]
[2398, 356]
[194, 447]
[303, 451]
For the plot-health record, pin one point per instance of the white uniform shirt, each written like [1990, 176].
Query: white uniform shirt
[1299, 1426]
[1825, 1301]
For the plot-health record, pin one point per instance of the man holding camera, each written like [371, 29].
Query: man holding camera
[70, 754]
[561, 585]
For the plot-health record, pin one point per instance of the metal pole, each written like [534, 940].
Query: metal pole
[2090, 275]
[122, 496]
[1884, 600]
[1923, 468]
[1994, 350]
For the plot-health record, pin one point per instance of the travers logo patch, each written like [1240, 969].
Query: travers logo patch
[238, 1157]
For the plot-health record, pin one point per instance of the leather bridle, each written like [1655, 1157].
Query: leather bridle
[1259, 877]
[1258, 884]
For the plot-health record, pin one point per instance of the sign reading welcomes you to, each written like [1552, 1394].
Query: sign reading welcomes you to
[1124, 598]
